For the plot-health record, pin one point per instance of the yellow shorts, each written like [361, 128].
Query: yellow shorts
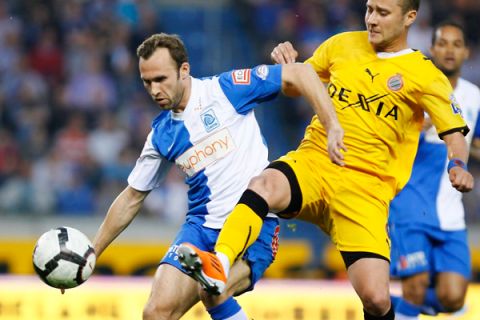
[350, 206]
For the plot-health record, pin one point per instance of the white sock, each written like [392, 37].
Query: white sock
[225, 263]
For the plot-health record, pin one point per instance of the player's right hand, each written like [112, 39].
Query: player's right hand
[284, 53]
[335, 145]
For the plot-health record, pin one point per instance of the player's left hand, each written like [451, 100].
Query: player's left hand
[461, 179]
[335, 145]
[284, 53]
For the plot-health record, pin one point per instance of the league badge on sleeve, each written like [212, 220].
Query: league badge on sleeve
[241, 76]
[262, 72]
[455, 106]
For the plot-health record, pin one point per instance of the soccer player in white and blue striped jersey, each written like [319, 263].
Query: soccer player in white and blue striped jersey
[430, 251]
[207, 128]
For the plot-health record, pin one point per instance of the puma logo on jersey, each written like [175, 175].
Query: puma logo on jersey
[206, 152]
[371, 74]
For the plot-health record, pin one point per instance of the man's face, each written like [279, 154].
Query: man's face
[449, 50]
[162, 80]
[385, 22]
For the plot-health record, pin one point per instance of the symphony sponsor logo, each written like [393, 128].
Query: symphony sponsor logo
[206, 152]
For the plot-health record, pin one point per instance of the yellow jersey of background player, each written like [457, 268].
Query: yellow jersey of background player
[380, 99]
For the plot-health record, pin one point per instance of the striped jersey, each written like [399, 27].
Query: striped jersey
[216, 141]
[429, 197]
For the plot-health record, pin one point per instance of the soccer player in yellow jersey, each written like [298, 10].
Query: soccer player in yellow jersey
[380, 88]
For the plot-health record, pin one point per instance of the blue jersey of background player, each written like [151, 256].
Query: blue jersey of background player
[427, 226]
[208, 129]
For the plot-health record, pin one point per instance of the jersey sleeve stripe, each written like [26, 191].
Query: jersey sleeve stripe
[464, 130]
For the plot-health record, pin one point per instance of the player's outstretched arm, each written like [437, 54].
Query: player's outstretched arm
[122, 211]
[461, 179]
[301, 78]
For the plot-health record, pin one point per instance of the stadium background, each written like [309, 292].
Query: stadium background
[74, 116]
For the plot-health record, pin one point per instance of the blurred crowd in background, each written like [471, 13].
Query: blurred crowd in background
[74, 114]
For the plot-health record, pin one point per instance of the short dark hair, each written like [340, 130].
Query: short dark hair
[449, 23]
[163, 40]
[408, 5]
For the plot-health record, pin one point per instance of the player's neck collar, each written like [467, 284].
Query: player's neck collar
[191, 100]
[177, 115]
[386, 55]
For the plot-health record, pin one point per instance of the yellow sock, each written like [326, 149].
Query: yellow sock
[240, 230]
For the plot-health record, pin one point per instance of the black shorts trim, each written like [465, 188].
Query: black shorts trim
[350, 257]
[295, 192]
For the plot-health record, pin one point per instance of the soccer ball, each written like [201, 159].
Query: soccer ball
[63, 258]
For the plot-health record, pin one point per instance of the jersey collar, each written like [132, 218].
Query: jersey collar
[387, 55]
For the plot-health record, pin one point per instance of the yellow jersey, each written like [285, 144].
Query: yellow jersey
[380, 101]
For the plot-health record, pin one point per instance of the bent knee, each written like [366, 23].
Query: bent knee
[375, 302]
[261, 185]
[416, 295]
[414, 290]
[273, 186]
[451, 301]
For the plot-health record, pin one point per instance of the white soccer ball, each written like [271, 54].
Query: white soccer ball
[63, 257]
